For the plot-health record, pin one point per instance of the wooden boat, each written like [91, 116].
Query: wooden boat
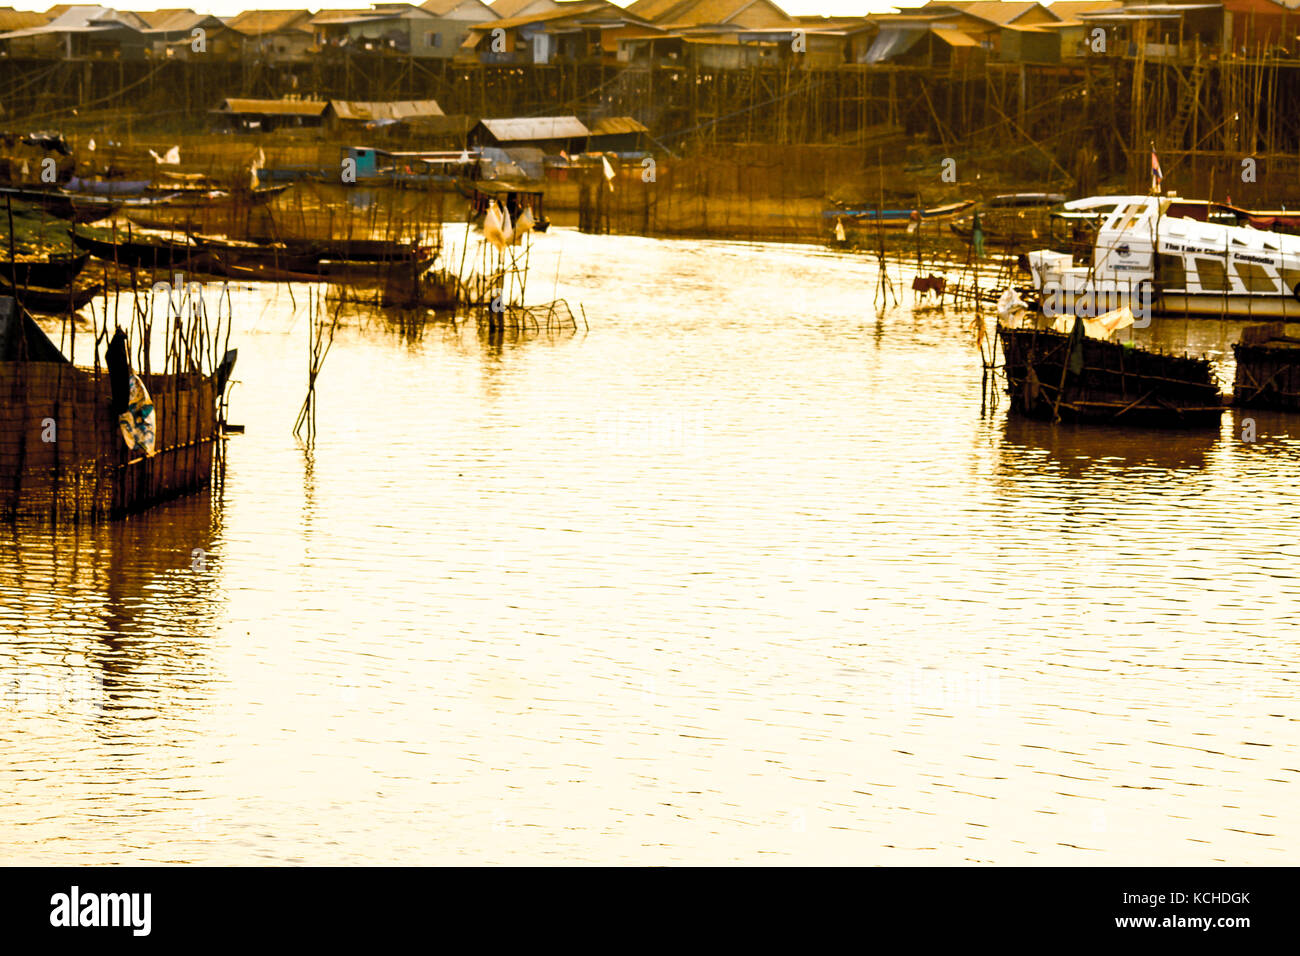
[1074, 378]
[205, 197]
[321, 270]
[53, 272]
[899, 218]
[88, 472]
[62, 205]
[303, 254]
[1010, 220]
[52, 301]
[207, 210]
[1170, 256]
[151, 252]
[1268, 368]
[106, 187]
[513, 197]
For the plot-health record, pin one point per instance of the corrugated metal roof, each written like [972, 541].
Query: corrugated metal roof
[535, 127]
[684, 13]
[272, 107]
[255, 22]
[81, 19]
[390, 110]
[615, 126]
[576, 8]
[893, 41]
[175, 21]
[326, 16]
[994, 11]
[505, 8]
[1070, 9]
[955, 38]
[440, 7]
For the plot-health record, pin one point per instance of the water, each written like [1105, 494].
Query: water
[745, 573]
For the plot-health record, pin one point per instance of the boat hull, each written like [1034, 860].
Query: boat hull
[1268, 368]
[88, 472]
[160, 255]
[1233, 306]
[52, 301]
[1106, 382]
[55, 272]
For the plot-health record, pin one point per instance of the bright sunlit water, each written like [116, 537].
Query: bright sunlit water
[747, 572]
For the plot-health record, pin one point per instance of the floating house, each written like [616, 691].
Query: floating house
[357, 114]
[550, 134]
[81, 32]
[616, 134]
[394, 27]
[87, 470]
[573, 31]
[247, 115]
[451, 22]
[411, 167]
[275, 36]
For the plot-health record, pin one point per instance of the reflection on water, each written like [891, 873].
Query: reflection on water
[743, 573]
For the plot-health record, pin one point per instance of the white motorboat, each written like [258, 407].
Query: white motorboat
[1164, 255]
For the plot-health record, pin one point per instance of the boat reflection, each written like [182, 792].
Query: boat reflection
[1077, 451]
[98, 618]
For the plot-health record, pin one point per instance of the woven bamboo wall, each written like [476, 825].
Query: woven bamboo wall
[84, 473]
[1267, 376]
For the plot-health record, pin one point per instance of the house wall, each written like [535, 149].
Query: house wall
[125, 46]
[823, 52]
[219, 43]
[411, 32]
[1257, 24]
[1020, 46]
[281, 46]
[1076, 40]
[614, 143]
[441, 37]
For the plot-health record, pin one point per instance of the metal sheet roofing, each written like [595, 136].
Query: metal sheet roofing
[535, 127]
[955, 38]
[893, 41]
[616, 125]
[272, 107]
[173, 20]
[82, 19]
[256, 22]
[381, 110]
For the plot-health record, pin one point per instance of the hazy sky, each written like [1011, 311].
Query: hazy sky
[225, 8]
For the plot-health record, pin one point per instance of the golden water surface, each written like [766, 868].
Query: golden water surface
[747, 573]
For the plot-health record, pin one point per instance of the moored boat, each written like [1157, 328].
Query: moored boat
[144, 251]
[1009, 220]
[303, 254]
[898, 217]
[52, 301]
[513, 198]
[1268, 368]
[319, 270]
[55, 271]
[1073, 377]
[92, 471]
[1171, 256]
[63, 205]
